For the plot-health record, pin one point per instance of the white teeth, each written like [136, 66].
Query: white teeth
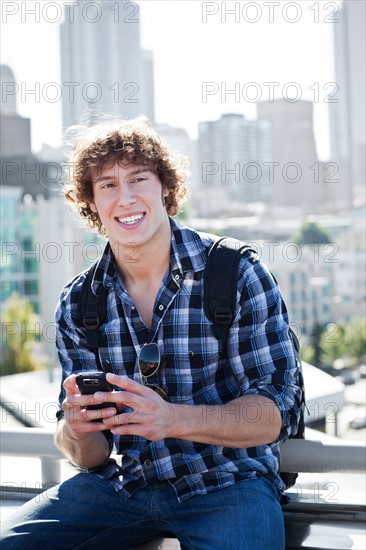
[130, 219]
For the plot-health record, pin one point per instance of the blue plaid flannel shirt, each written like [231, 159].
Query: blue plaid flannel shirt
[198, 369]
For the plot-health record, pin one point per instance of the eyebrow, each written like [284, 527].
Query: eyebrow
[132, 173]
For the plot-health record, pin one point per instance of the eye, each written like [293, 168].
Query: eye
[108, 185]
[138, 180]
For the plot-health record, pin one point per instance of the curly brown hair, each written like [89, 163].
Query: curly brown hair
[129, 142]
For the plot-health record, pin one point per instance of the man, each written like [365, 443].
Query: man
[199, 437]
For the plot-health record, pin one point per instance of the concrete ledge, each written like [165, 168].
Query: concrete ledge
[313, 524]
[306, 455]
[297, 455]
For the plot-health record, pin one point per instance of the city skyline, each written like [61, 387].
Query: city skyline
[240, 143]
[203, 75]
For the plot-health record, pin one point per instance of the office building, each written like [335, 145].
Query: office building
[15, 137]
[233, 154]
[347, 112]
[148, 58]
[297, 180]
[103, 68]
[180, 143]
[42, 247]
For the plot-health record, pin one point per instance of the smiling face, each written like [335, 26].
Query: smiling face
[129, 202]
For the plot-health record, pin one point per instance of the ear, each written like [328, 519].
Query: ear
[165, 192]
[92, 207]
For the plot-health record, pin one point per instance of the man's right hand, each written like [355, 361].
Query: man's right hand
[76, 436]
[78, 418]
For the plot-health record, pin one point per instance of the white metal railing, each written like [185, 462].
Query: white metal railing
[34, 442]
[297, 455]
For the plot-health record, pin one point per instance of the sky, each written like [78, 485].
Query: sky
[231, 45]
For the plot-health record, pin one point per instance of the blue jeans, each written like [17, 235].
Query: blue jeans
[85, 513]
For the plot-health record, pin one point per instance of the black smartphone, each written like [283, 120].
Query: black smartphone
[91, 382]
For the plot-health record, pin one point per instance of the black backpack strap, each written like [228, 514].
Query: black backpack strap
[92, 308]
[301, 383]
[220, 284]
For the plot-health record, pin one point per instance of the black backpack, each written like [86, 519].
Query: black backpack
[221, 274]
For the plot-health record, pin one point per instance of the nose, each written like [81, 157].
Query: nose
[126, 197]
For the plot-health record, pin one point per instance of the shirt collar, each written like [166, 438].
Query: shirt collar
[189, 250]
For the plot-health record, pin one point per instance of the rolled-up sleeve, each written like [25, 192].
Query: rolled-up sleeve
[260, 347]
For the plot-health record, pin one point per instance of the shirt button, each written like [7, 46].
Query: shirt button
[109, 285]
[147, 462]
[161, 307]
[176, 277]
[133, 308]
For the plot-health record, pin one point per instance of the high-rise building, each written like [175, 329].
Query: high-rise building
[40, 243]
[15, 136]
[347, 112]
[8, 104]
[232, 156]
[104, 70]
[180, 143]
[42, 249]
[297, 178]
[148, 57]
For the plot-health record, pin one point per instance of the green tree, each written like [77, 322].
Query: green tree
[312, 233]
[337, 341]
[19, 334]
[355, 339]
[307, 353]
[184, 214]
[332, 343]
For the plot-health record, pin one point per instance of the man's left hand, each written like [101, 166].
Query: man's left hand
[151, 416]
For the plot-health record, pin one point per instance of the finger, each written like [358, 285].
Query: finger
[127, 384]
[76, 411]
[70, 384]
[90, 399]
[78, 417]
[93, 415]
[128, 429]
[124, 398]
[136, 429]
[131, 417]
[86, 426]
